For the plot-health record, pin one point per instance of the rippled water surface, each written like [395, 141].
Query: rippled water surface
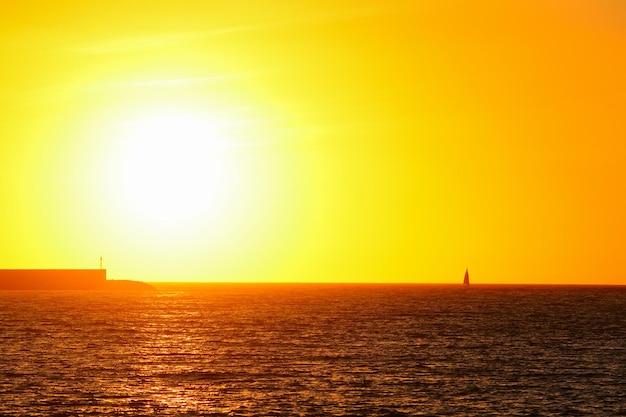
[315, 350]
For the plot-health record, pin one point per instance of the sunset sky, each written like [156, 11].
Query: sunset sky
[343, 141]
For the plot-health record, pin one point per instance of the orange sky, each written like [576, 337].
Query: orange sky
[315, 141]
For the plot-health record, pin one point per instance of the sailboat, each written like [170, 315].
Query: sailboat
[466, 277]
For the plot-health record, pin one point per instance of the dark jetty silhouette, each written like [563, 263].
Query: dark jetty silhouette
[65, 279]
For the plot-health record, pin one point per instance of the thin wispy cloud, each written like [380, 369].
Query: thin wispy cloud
[153, 41]
[308, 17]
[177, 82]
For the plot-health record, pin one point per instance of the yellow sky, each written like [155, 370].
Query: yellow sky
[315, 141]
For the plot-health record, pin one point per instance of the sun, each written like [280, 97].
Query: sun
[172, 170]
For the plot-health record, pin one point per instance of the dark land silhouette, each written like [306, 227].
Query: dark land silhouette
[64, 279]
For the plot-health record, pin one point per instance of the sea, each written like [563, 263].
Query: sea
[315, 350]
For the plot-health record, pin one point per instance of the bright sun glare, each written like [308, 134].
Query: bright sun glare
[172, 169]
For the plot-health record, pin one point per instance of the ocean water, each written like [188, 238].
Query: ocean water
[315, 350]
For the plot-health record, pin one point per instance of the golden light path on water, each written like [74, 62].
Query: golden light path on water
[311, 349]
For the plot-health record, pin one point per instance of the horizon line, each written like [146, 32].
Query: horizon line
[378, 283]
